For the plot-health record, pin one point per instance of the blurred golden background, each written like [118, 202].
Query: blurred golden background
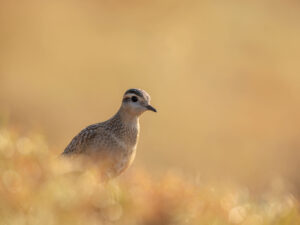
[224, 76]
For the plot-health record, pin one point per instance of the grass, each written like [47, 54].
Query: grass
[35, 189]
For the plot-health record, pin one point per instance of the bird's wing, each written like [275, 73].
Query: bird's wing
[83, 140]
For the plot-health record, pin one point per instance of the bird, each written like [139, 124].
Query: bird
[112, 144]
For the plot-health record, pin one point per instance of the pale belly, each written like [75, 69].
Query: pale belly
[119, 162]
[125, 160]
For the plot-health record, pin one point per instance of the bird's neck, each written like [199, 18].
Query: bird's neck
[125, 121]
[127, 127]
[128, 119]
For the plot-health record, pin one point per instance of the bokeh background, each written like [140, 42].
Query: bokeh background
[224, 76]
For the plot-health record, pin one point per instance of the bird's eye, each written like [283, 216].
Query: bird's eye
[134, 98]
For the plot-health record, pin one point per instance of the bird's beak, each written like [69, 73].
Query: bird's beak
[151, 108]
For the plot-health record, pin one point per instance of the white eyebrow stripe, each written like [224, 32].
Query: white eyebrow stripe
[130, 95]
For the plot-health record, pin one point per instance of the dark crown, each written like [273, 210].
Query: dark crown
[135, 91]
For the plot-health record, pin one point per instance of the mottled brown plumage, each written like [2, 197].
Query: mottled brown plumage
[112, 144]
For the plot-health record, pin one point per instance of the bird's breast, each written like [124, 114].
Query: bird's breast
[124, 160]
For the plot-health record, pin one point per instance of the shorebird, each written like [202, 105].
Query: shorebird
[111, 145]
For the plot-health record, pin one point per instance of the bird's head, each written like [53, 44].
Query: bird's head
[136, 101]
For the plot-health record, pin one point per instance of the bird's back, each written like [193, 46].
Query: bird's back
[82, 140]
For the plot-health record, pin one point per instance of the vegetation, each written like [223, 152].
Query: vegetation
[36, 187]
